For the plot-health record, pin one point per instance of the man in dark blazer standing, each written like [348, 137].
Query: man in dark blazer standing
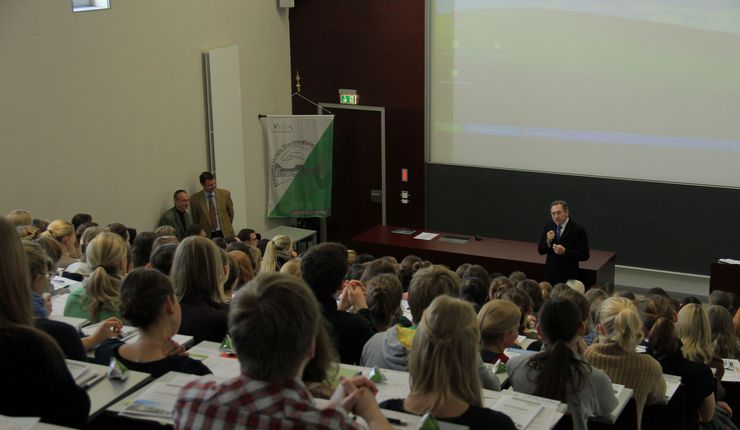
[212, 208]
[177, 216]
[565, 244]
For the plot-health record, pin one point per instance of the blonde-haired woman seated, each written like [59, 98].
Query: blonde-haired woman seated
[443, 364]
[695, 332]
[97, 299]
[499, 329]
[621, 330]
[199, 274]
[278, 251]
[64, 233]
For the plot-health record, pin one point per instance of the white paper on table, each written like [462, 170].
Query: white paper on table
[426, 236]
[78, 369]
[671, 385]
[521, 411]
[729, 261]
[77, 323]
[158, 400]
[732, 370]
[18, 423]
[57, 304]
[618, 389]
[223, 367]
[59, 282]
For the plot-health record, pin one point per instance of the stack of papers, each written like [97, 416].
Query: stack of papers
[527, 411]
[521, 411]
[618, 389]
[83, 373]
[59, 282]
[672, 383]
[57, 304]
[158, 400]
[732, 370]
[729, 261]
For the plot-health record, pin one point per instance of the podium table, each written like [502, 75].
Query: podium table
[725, 277]
[496, 255]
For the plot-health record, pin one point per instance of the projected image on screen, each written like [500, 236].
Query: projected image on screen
[630, 89]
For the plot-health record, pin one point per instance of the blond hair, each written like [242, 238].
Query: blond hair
[621, 322]
[443, 362]
[15, 285]
[59, 230]
[497, 318]
[695, 333]
[20, 217]
[292, 267]
[198, 271]
[279, 246]
[105, 254]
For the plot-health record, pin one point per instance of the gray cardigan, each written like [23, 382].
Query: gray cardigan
[596, 397]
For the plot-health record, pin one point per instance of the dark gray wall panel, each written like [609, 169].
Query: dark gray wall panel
[660, 226]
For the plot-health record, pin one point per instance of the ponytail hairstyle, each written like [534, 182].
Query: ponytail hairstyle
[59, 230]
[724, 341]
[443, 362]
[106, 254]
[560, 371]
[279, 246]
[384, 294]
[695, 333]
[15, 285]
[621, 322]
[657, 322]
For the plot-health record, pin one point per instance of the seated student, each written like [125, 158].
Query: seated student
[474, 290]
[274, 324]
[97, 299]
[406, 271]
[66, 336]
[82, 267]
[198, 275]
[323, 268]
[724, 341]
[442, 367]
[35, 378]
[658, 319]
[292, 267]
[559, 372]
[695, 333]
[64, 233]
[621, 329]
[384, 293]
[277, 251]
[520, 298]
[390, 349]
[148, 302]
[499, 328]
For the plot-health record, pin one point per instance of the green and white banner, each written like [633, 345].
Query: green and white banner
[299, 157]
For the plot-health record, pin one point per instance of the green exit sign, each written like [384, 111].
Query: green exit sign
[348, 99]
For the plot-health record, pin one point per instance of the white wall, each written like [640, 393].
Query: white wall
[103, 112]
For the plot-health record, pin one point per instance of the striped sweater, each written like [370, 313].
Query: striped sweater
[641, 372]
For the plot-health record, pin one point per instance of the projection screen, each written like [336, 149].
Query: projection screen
[635, 89]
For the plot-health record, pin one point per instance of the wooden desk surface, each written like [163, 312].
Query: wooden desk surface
[500, 254]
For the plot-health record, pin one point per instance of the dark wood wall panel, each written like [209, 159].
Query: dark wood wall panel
[376, 47]
[661, 226]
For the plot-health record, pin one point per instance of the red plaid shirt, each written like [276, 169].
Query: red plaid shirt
[244, 403]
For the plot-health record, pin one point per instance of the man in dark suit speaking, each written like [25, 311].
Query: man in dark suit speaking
[565, 244]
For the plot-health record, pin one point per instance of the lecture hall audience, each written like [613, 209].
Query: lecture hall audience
[581, 340]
